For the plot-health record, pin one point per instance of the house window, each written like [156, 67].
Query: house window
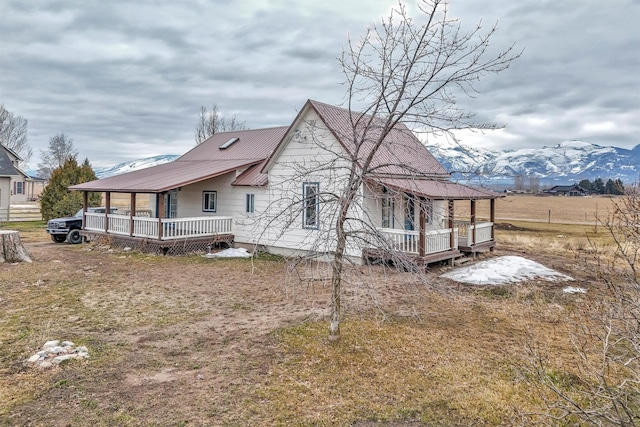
[387, 209]
[250, 203]
[427, 205]
[311, 205]
[209, 201]
[18, 187]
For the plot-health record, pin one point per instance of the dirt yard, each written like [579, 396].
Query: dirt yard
[193, 341]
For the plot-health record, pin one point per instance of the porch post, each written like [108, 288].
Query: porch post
[160, 210]
[421, 236]
[107, 209]
[85, 205]
[473, 222]
[492, 218]
[132, 212]
[450, 223]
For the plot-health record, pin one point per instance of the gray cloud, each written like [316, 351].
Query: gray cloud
[126, 79]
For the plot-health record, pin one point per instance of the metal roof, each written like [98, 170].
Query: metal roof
[204, 161]
[437, 190]
[252, 177]
[252, 144]
[400, 153]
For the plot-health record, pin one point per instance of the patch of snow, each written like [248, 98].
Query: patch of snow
[230, 253]
[501, 270]
[574, 290]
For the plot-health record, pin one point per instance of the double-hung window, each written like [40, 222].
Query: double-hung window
[18, 187]
[427, 205]
[311, 205]
[250, 203]
[209, 201]
[387, 209]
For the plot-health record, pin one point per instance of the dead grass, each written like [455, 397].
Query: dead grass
[191, 341]
[564, 210]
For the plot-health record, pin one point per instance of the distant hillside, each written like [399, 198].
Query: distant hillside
[568, 161]
[134, 165]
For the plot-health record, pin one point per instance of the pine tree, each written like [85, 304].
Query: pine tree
[598, 186]
[57, 200]
[586, 184]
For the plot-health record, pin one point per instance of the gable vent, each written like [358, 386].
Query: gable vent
[229, 143]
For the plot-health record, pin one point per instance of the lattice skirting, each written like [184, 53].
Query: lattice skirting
[162, 247]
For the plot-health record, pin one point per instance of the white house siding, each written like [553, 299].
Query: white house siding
[21, 197]
[5, 191]
[231, 201]
[373, 206]
[309, 156]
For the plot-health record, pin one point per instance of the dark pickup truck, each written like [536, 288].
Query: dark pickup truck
[68, 229]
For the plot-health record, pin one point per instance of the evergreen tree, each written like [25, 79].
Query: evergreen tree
[598, 186]
[615, 187]
[586, 184]
[57, 200]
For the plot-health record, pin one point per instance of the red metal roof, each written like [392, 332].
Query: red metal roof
[252, 177]
[438, 190]
[203, 162]
[401, 153]
[252, 144]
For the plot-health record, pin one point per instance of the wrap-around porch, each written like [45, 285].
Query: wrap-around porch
[424, 240]
[138, 228]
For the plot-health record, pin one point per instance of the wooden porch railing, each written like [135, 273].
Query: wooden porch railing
[408, 240]
[172, 228]
[483, 232]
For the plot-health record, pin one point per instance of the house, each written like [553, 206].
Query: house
[276, 189]
[13, 181]
[567, 190]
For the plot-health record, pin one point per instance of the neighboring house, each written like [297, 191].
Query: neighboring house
[567, 190]
[275, 188]
[13, 181]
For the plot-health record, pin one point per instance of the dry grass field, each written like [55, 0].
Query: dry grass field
[190, 341]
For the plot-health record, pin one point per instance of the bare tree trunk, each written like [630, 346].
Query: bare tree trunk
[11, 249]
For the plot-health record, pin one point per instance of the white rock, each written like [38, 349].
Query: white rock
[50, 344]
[43, 353]
[58, 350]
[45, 365]
[82, 355]
[67, 344]
[34, 358]
[60, 359]
[81, 349]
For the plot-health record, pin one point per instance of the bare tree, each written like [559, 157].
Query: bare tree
[606, 337]
[411, 72]
[211, 122]
[60, 149]
[13, 134]
[402, 71]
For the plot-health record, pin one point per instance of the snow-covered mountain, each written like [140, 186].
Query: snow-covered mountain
[568, 161]
[134, 165]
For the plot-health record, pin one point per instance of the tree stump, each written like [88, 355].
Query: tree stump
[11, 249]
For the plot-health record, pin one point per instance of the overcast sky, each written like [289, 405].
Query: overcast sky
[125, 79]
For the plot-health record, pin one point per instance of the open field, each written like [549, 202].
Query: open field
[563, 209]
[191, 341]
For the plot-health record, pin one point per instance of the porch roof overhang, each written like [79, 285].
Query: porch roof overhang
[165, 177]
[437, 189]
